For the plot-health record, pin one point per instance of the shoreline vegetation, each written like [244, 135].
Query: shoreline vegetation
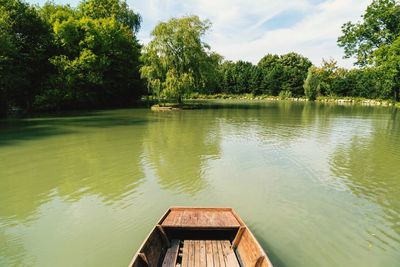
[56, 58]
[321, 99]
[188, 105]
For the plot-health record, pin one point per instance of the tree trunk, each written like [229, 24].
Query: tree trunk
[397, 94]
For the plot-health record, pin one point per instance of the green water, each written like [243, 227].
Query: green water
[319, 185]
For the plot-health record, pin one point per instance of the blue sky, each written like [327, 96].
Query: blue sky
[249, 29]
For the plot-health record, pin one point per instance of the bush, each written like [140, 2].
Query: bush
[285, 94]
[312, 85]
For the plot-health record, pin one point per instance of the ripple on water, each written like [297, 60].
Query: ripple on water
[318, 184]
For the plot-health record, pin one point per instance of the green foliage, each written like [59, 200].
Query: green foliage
[312, 84]
[270, 76]
[295, 68]
[380, 26]
[285, 94]
[177, 85]
[272, 72]
[25, 41]
[177, 61]
[375, 42]
[388, 58]
[97, 63]
[116, 9]
[238, 77]
[58, 57]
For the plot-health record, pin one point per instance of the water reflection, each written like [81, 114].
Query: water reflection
[178, 148]
[368, 165]
[295, 171]
[90, 158]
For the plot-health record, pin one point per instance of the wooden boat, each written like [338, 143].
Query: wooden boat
[200, 237]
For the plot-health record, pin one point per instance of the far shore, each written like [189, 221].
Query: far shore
[321, 99]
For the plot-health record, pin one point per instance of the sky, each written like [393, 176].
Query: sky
[250, 29]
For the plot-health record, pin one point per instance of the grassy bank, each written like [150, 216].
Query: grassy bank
[324, 99]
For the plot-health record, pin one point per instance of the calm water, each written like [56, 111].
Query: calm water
[319, 185]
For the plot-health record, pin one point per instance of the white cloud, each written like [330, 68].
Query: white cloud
[239, 30]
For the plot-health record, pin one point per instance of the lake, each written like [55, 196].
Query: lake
[318, 184]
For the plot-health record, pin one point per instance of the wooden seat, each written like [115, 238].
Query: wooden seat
[201, 218]
[208, 253]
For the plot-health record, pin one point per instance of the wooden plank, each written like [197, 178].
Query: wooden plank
[201, 208]
[215, 253]
[249, 250]
[220, 254]
[172, 254]
[151, 250]
[198, 218]
[209, 254]
[238, 236]
[178, 218]
[203, 260]
[229, 254]
[185, 254]
[164, 235]
[191, 253]
[185, 218]
[196, 253]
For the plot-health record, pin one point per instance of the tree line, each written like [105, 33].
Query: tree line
[58, 57]
[177, 62]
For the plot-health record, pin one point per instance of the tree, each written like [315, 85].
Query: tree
[331, 76]
[7, 49]
[272, 70]
[312, 84]
[295, 68]
[388, 59]
[25, 40]
[98, 65]
[117, 9]
[95, 62]
[380, 26]
[177, 61]
[284, 73]
[374, 43]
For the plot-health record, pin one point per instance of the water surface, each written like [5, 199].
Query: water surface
[319, 185]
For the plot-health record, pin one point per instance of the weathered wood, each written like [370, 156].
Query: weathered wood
[220, 253]
[238, 236]
[229, 254]
[215, 253]
[196, 253]
[250, 251]
[201, 218]
[185, 254]
[172, 254]
[260, 261]
[143, 257]
[202, 255]
[164, 235]
[209, 254]
[191, 253]
[197, 223]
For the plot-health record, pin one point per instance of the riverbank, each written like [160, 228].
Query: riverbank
[322, 99]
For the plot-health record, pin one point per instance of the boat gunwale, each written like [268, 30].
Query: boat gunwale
[147, 238]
